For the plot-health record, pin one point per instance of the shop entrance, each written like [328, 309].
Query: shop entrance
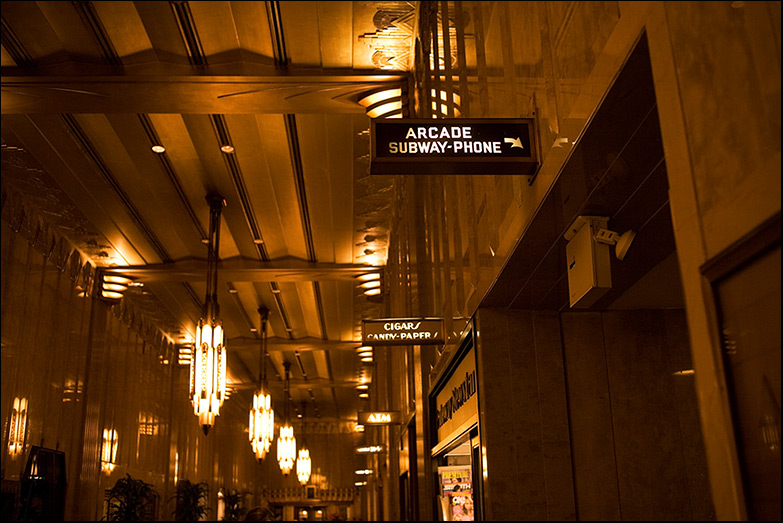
[458, 473]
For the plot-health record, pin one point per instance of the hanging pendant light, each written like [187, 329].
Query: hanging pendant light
[262, 417]
[286, 442]
[303, 466]
[208, 366]
[303, 463]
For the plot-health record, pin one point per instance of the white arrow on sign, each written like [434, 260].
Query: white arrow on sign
[515, 142]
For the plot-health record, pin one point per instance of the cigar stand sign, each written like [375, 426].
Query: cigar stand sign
[403, 331]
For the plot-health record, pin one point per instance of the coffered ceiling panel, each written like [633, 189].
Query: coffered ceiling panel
[88, 88]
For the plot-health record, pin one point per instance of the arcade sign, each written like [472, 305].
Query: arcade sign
[379, 418]
[453, 146]
[403, 331]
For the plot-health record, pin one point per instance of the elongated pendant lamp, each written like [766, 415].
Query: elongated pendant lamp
[262, 416]
[286, 442]
[208, 366]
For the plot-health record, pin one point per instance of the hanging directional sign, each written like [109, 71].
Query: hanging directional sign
[403, 331]
[378, 418]
[453, 146]
[370, 449]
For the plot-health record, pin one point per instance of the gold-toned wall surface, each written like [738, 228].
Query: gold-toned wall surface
[85, 369]
[716, 75]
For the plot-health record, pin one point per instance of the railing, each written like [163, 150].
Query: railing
[309, 492]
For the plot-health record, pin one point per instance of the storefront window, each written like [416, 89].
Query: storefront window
[455, 483]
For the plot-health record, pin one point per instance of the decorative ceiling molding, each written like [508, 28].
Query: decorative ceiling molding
[391, 45]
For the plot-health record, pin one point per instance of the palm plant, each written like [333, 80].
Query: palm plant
[233, 506]
[192, 499]
[132, 500]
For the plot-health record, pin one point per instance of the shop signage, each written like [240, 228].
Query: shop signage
[457, 402]
[453, 146]
[403, 331]
[379, 418]
[371, 449]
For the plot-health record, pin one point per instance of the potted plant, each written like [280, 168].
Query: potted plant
[192, 499]
[132, 500]
[233, 506]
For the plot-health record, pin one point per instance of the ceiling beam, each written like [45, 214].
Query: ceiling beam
[317, 383]
[190, 94]
[282, 344]
[245, 270]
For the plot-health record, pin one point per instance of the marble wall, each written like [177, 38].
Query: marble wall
[588, 416]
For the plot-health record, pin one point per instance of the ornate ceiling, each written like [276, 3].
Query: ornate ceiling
[89, 87]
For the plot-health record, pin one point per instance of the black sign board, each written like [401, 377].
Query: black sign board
[453, 146]
[403, 331]
[378, 418]
[370, 449]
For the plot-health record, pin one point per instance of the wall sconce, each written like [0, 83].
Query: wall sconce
[208, 364]
[113, 286]
[365, 353]
[18, 427]
[385, 102]
[109, 450]
[184, 354]
[371, 284]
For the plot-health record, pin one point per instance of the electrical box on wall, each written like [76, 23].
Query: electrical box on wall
[588, 261]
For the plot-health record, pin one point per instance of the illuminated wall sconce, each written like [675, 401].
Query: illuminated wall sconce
[365, 353]
[109, 450]
[371, 284]
[114, 286]
[18, 427]
[184, 354]
[385, 102]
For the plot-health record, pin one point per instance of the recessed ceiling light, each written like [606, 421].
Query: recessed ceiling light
[158, 149]
[372, 292]
[228, 149]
